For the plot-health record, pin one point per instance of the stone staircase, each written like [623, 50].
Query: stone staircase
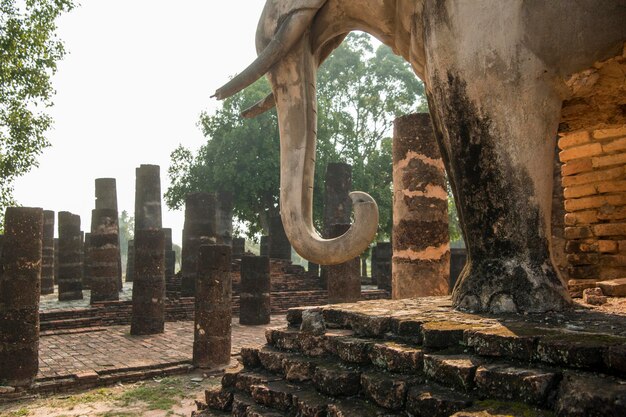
[421, 358]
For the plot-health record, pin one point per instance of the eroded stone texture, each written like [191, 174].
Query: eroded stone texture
[19, 295]
[337, 203]
[421, 242]
[279, 246]
[147, 197]
[254, 295]
[343, 281]
[130, 261]
[212, 329]
[104, 252]
[200, 228]
[381, 265]
[148, 314]
[47, 251]
[70, 267]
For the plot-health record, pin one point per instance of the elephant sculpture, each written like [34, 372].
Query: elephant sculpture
[495, 73]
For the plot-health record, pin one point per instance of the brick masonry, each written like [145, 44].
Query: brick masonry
[594, 181]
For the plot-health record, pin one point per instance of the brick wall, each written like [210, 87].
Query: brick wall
[594, 182]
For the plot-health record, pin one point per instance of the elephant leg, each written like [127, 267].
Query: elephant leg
[496, 113]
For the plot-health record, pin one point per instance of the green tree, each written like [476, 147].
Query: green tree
[360, 91]
[29, 51]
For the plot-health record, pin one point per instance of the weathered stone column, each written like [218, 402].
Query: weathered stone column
[383, 265]
[254, 295]
[199, 228]
[264, 246]
[313, 269]
[47, 253]
[148, 198]
[343, 280]
[87, 260]
[148, 316]
[56, 260]
[70, 267]
[104, 253]
[224, 218]
[106, 198]
[239, 247]
[421, 242]
[337, 203]
[213, 316]
[19, 295]
[130, 261]
[279, 245]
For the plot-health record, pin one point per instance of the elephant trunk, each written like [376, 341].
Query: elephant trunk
[293, 81]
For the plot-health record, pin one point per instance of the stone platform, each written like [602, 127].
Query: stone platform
[421, 358]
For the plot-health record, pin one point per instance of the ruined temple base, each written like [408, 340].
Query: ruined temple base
[419, 357]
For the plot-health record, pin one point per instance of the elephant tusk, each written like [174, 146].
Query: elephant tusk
[288, 34]
[259, 107]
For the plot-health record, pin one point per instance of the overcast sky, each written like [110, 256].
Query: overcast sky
[137, 75]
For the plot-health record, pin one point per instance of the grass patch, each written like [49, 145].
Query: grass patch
[19, 413]
[160, 396]
[102, 394]
[119, 414]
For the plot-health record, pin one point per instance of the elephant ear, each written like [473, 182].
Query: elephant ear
[289, 20]
[269, 102]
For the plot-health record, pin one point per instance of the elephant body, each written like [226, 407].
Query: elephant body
[495, 73]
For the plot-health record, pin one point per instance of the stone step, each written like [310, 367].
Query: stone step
[570, 341]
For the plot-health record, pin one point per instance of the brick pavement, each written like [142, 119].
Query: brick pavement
[74, 354]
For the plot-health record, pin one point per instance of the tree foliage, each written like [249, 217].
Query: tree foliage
[361, 89]
[29, 51]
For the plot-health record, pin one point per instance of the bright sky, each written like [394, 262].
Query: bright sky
[137, 75]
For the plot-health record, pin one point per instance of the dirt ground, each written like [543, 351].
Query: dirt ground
[162, 397]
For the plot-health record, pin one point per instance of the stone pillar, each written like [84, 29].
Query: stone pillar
[337, 203]
[148, 316]
[106, 198]
[19, 295]
[383, 265]
[279, 245]
[82, 260]
[213, 316]
[254, 294]
[265, 246]
[130, 261]
[364, 267]
[224, 218]
[104, 241]
[199, 228]
[70, 268]
[56, 261]
[87, 260]
[47, 253]
[421, 242]
[343, 280]
[313, 268]
[147, 198]
[239, 247]
[374, 266]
